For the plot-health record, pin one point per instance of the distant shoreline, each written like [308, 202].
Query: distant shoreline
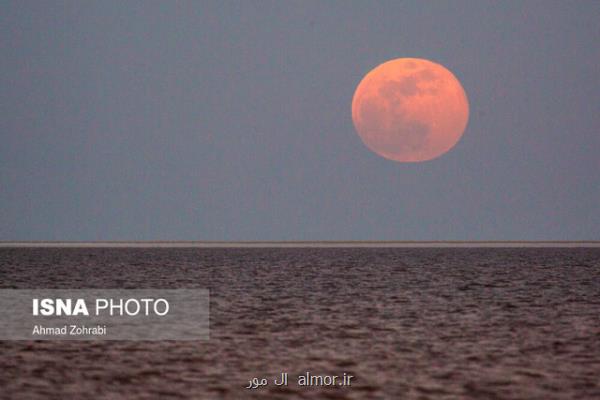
[303, 244]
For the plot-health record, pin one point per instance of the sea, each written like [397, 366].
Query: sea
[406, 322]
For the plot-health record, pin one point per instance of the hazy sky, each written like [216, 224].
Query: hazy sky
[144, 120]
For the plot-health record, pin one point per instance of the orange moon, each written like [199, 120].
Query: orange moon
[410, 110]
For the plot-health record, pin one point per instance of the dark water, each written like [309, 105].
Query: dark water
[407, 323]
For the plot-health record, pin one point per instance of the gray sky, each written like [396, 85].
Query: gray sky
[145, 120]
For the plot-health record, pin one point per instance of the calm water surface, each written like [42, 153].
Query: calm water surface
[407, 323]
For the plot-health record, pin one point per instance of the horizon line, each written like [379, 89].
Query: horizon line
[301, 243]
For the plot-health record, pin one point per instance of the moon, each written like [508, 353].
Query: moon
[410, 110]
